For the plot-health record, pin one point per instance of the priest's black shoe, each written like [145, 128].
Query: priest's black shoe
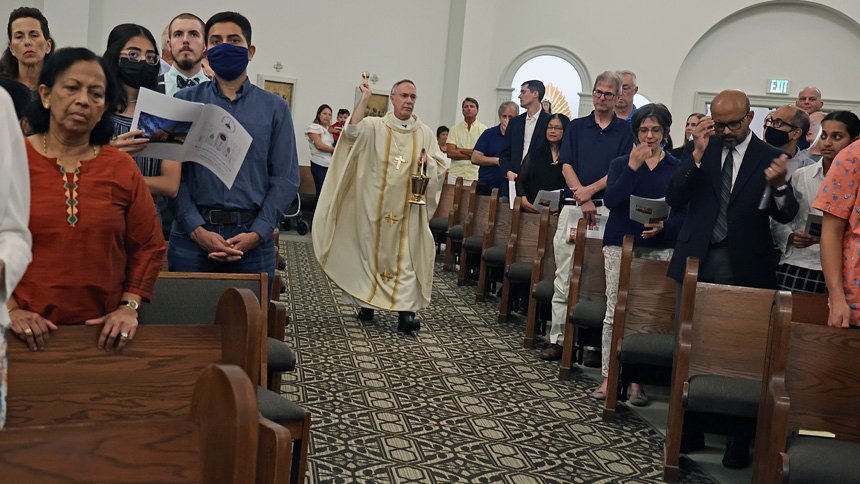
[406, 322]
[737, 454]
[365, 314]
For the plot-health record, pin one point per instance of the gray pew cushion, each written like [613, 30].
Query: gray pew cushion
[495, 256]
[189, 301]
[280, 357]
[814, 460]
[439, 224]
[648, 349]
[277, 408]
[588, 314]
[544, 290]
[456, 232]
[724, 395]
[520, 272]
[474, 243]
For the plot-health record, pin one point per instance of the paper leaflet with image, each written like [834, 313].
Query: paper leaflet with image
[186, 131]
[648, 210]
[548, 199]
[593, 232]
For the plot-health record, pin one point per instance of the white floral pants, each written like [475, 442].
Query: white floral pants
[612, 267]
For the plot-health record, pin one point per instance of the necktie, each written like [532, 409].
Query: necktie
[182, 82]
[721, 228]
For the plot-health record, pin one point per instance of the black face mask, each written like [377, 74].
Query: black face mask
[137, 74]
[775, 137]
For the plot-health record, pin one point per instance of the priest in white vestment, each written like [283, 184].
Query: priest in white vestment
[370, 241]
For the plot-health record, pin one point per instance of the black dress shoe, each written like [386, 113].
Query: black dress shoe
[737, 454]
[692, 441]
[365, 314]
[406, 322]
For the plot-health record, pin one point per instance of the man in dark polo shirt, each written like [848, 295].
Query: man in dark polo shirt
[589, 144]
[487, 150]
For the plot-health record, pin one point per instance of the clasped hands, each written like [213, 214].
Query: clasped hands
[119, 329]
[222, 250]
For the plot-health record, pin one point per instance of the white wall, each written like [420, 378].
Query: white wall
[656, 39]
[676, 48]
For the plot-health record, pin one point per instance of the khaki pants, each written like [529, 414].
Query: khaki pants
[563, 267]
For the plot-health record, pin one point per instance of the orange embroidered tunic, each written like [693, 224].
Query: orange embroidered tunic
[116, 245]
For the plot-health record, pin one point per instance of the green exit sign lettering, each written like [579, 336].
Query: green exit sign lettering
[778, 86]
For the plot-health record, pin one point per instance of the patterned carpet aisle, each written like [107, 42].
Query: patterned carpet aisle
[458, 402]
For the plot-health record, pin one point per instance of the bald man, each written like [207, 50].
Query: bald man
[809, 99]
[722, 177]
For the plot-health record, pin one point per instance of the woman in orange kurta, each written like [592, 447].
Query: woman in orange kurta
[97, 244]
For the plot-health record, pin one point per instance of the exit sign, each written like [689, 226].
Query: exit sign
[778, 86]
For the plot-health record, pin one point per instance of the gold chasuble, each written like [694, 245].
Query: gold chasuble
[369, 240]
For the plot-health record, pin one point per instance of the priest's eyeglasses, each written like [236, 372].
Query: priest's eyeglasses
[135, 55]
[732, 125]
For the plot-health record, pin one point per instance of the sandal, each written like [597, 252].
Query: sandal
[599, 394]
[639, 400]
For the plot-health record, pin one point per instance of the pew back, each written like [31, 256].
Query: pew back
[446, 201]
[216, 442]
[154, 376]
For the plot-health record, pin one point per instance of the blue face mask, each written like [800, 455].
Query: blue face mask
[229, 61]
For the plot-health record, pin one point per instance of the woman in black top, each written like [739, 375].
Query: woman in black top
[540, 169]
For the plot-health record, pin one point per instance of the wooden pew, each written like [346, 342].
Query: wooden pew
[811, 384]
[495, 241]
[439, 221]
[643, 327]
[476, 224]
[720, 350]
[456, 221]
[586, 300]
[213, 443]
[182, 299]
[543, 274]
[526, 232]
[73, 381]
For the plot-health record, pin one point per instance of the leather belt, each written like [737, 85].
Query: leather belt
[572, 201]
[228, 217]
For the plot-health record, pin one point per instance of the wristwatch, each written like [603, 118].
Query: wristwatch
[132, 304]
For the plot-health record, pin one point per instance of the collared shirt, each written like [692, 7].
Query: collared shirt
[531, 122]
[269, 178]
[170, 87]
[490, 145]
[464, 136]
[806, 182]
[588, 148]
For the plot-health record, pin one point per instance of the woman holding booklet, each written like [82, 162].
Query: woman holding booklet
[132, 58]
[540, 169]
[644, 173]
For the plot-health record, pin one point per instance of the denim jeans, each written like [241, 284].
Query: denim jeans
[184, 255]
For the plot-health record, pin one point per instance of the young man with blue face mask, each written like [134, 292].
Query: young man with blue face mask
[230, 230]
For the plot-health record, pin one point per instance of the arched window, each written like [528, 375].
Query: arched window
[561, 79]
[640, 100]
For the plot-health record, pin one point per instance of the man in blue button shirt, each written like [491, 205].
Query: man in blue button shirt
[589, 144]
[487, 150]
[220, 229]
